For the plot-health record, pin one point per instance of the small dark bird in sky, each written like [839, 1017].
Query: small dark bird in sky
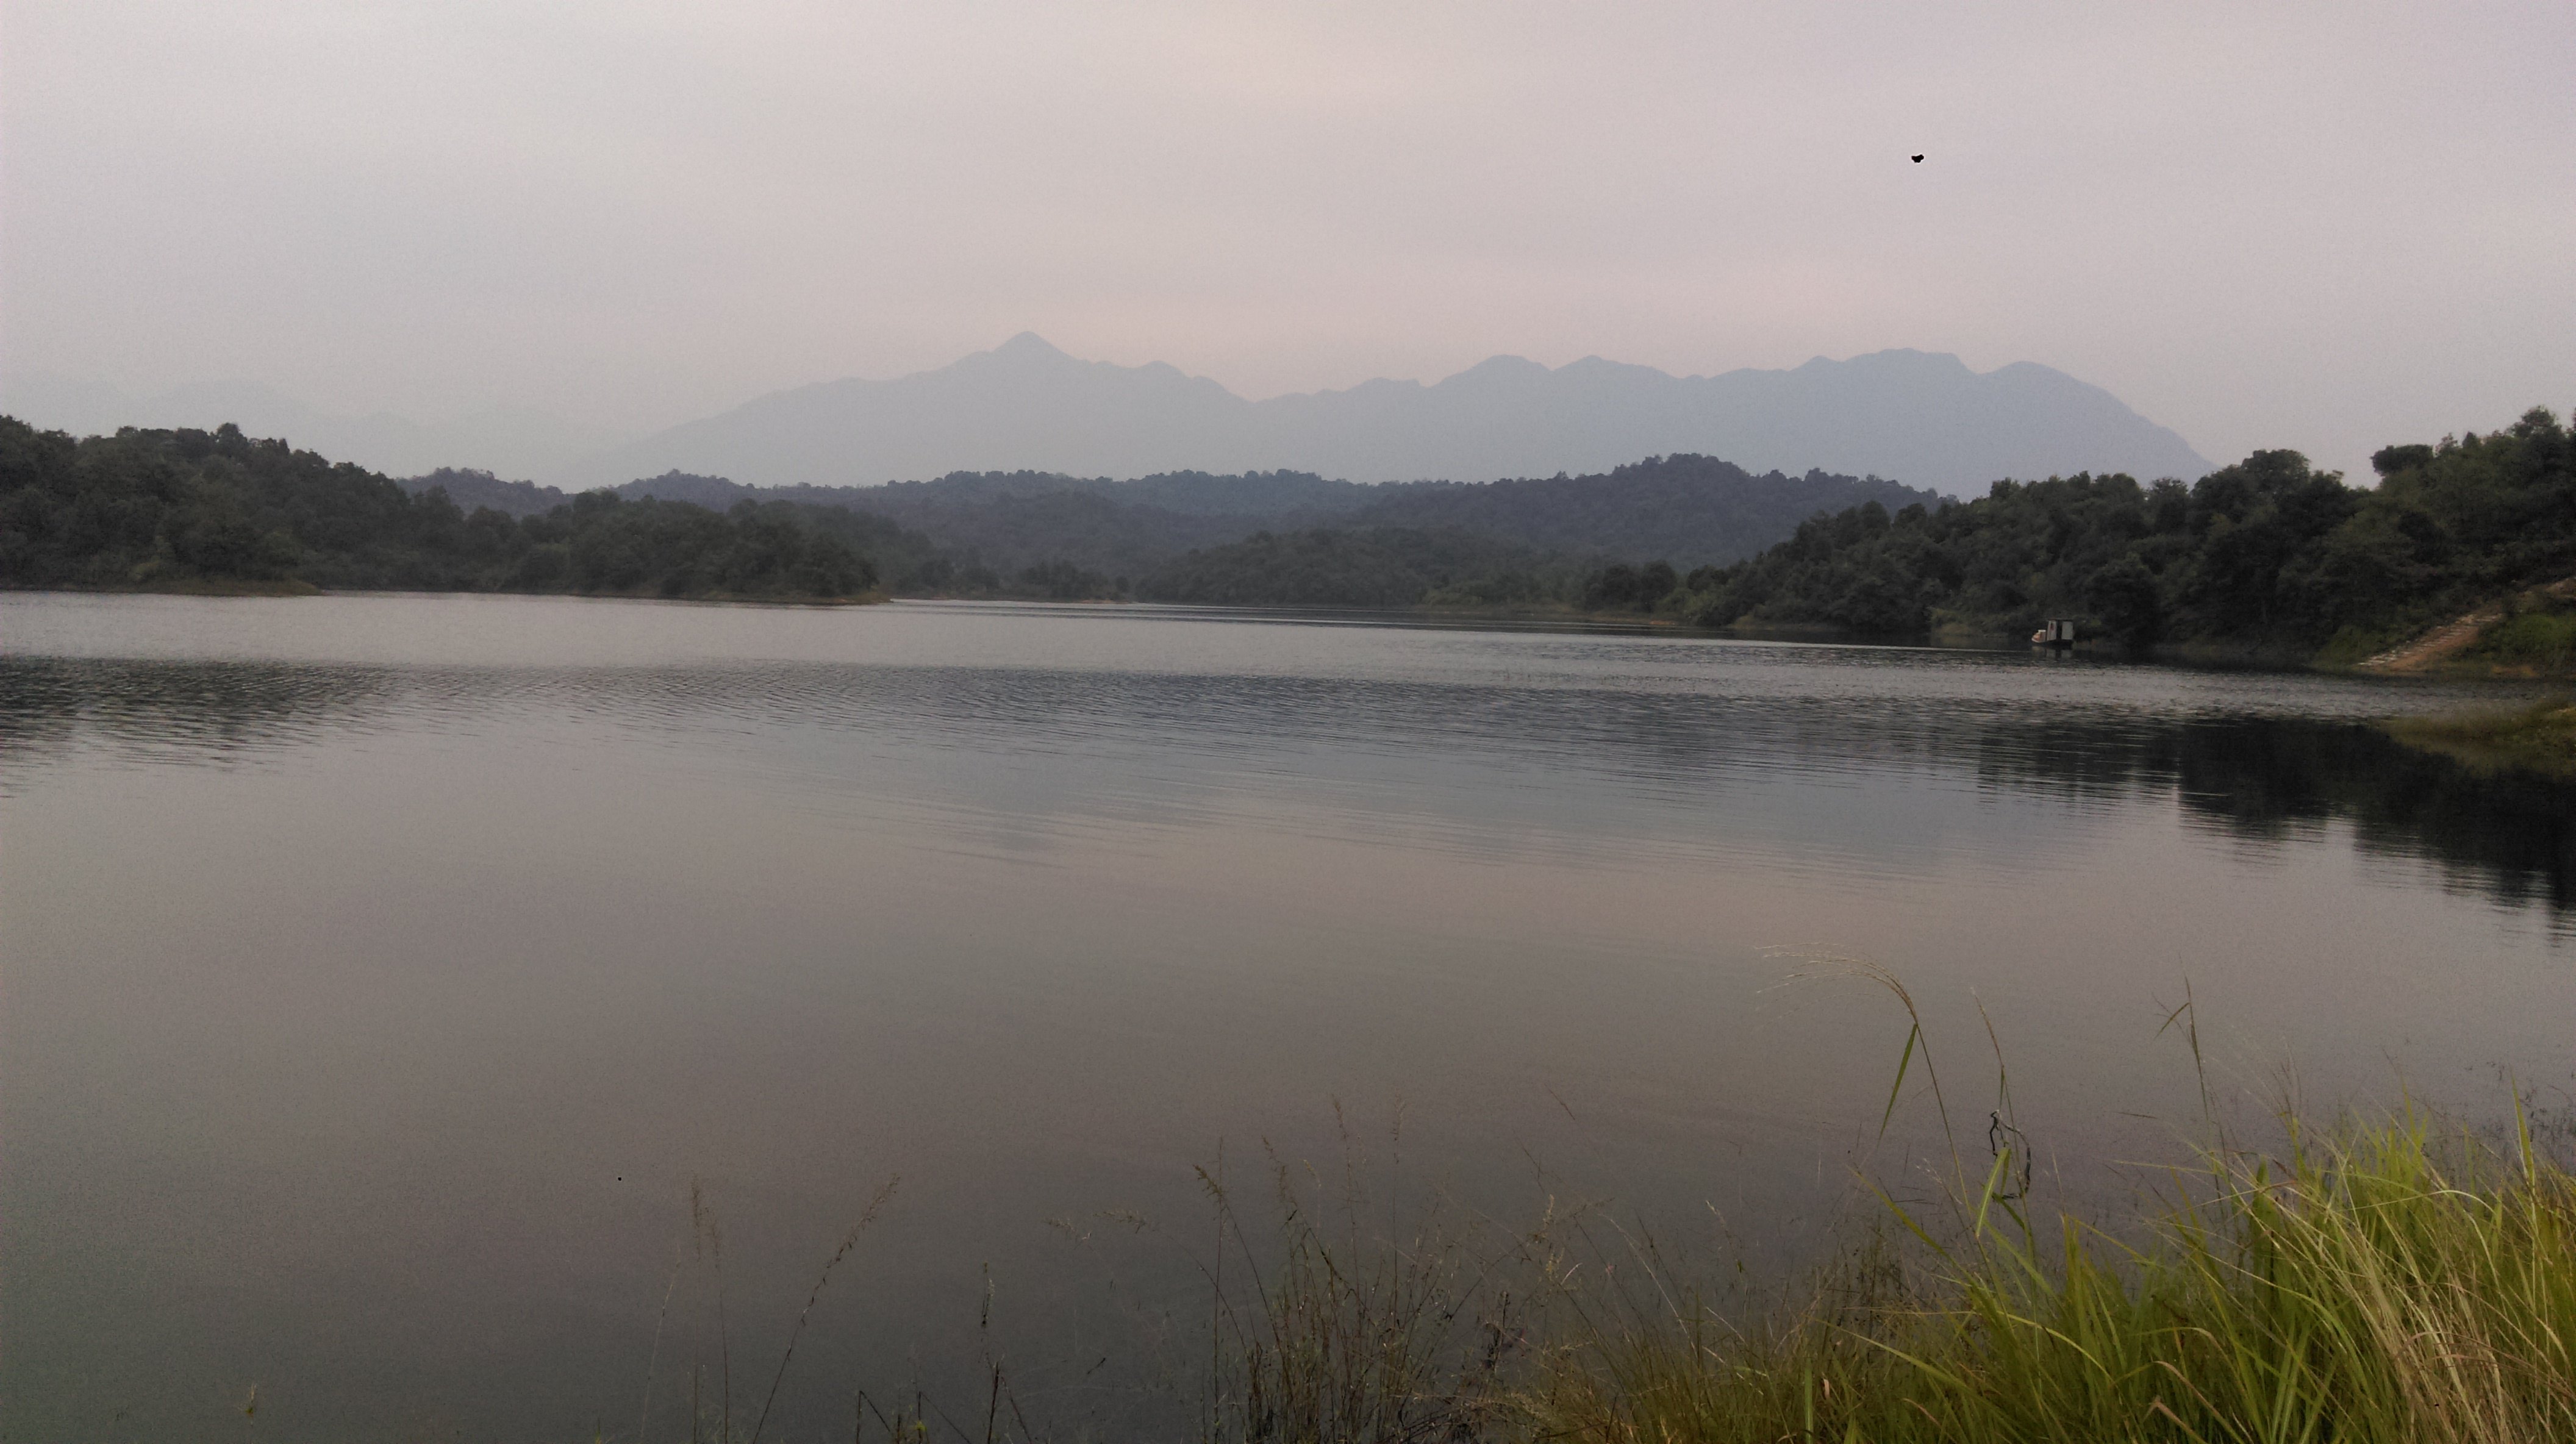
[1918, 160]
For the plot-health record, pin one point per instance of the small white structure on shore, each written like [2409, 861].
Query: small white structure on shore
[2055, 632]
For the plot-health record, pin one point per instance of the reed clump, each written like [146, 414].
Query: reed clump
[2387, 1282]
[2390, 1279]
[1349, 1335]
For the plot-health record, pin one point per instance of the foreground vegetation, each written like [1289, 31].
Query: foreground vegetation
[2386, 1279]
[2389, 1280]
[2384, 1283]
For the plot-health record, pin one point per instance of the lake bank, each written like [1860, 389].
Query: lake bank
[290, 587]
[188, 587]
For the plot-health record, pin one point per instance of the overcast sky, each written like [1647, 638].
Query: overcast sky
[2324, 226]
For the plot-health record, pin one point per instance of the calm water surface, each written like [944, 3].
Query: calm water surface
[378, 973]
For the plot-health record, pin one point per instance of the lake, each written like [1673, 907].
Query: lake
[380, 974]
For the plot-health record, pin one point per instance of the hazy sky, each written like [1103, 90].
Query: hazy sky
[2325, 226]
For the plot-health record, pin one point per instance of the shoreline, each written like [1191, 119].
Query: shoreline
[295, 588]
[1949, 637]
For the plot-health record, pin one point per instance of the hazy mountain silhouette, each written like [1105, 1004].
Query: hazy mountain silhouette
[1918, 417]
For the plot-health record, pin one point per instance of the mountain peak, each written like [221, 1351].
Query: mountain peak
[1896, 360]
[1027, 357]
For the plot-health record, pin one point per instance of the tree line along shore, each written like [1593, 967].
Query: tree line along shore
[2266, 559]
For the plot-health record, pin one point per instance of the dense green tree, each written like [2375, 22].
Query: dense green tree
[1062, 581]
[2124, 597]
[164, 508]
[2267, 555]
[1691, 510]
[1355, 567]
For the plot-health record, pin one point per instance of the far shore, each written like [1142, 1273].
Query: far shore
[2451, 665]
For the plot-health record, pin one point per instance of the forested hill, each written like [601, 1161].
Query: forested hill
[474, 490]
[184, 509]
[1365, 567]
[1262, 494]
[1007, 522]
[2266, 556]
[187, 508]
[1691, 509]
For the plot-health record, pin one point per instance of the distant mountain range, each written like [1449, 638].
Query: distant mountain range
[1919, 417]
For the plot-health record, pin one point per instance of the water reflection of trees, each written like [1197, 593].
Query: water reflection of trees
[196, 711]
[2272, 779]
[2514, 835]
[2260, 779]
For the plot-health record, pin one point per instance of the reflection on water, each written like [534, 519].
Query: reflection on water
[2260, 779]
[177, 712]
[379, 973]
[2513, 836]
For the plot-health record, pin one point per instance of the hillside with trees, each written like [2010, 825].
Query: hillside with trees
[2266, 557]
[1001, 525]
[1693, 510]
[179, 510]
[1361, 567]
[1690, 510]
[473, 490]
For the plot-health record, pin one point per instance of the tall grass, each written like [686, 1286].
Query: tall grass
[2389, 1277]
[2387, 1282]
[2390, 1280]
[1397, 1337]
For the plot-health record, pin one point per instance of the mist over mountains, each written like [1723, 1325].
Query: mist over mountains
[1387, 488]
[1917, 417]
